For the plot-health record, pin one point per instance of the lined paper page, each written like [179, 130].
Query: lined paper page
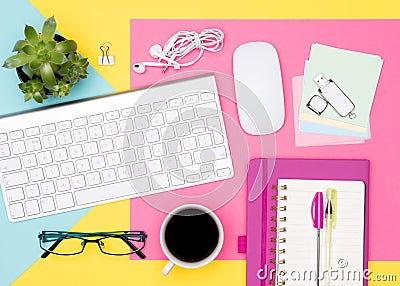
[347, 244]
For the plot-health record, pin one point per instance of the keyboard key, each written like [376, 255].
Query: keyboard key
[182, 129]
[126, 125]
[113, 159]
[60, 154]
[75, 151]
[172, 116]
[47, 188]
[32, 207]
[159, 149]
[185, 159]
[18, 147]
[189, 143]
[204, 140]
[177, 178]
[167, 133]
[193, 178]
[52, 171]
[174, 146]
[207, 171]
[9, 165]
[49, 141]
[124, 172]
[3, 137]
[98, 162]
[143, 109]
[214, 124]
[159, 105]
[170, 163]
[14, 179]
[29, 160]
[63, 125]
[139, 169]
[141, 122]
[121, 142]
[4, 150]
[36, 174]
[17, 134]
[106, 145]
[208, 155]
[218, 137]
[143, 152]
[224, 172]
[65, 201]
[207, 96]
[91, 148]
[95, 132]
[63, 185]
[97, 118]
[152, 136]
[129, 155]
[64, 138]
[17, 211]
[137, 139]
[67, 168]
[111, 115]
[175, 102]
[81, 121]
[33, 144]
[45, 158]
[111, 128]
[198, 126]
[160, 181]
[109, 175]
[82, 165]
[32, 131]
[93, 179]
[32, 191]
[78, 181]
[191, 99]
[206, 109]
[14, 195]
[187, 113]
[154, 166]
[48, 128]
[80, 135]
[126, 112]
[47, 204]
[157, 119]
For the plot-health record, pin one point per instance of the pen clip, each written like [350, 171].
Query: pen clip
[317, 211]
[331, 196]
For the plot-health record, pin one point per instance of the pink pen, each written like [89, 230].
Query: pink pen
[317, 215]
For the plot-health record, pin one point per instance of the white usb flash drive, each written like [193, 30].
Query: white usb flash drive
[335, 96]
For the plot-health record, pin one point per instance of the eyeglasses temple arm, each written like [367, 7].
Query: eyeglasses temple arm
[134, 248]
[51, 248]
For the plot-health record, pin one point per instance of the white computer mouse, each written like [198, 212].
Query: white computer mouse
[258, 86]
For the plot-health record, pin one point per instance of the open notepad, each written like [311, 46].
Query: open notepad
[297, 251]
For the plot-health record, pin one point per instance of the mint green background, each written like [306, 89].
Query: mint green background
[19, 245]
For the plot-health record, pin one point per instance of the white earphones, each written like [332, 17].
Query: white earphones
[179, 45]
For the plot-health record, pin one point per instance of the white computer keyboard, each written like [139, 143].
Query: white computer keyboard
[114, 147]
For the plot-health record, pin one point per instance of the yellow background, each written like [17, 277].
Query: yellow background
[91, 23]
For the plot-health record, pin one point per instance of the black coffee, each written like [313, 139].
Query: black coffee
[191, 235]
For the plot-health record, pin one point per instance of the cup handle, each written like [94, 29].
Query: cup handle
[167, 268]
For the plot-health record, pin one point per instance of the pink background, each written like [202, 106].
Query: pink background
[293, 39]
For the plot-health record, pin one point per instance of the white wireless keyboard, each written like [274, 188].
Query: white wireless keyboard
[110, 148]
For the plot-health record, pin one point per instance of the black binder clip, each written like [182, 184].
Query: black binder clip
[105, 59]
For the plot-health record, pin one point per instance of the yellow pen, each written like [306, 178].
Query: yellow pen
[330, 217]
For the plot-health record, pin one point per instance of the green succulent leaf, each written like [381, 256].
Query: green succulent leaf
[17, 60]
[29, 50]
[57, 58]
[49, 29]
[28, 96]
[38, 97]
[50, 46]
[31, 35]
[19, 45]
[47, 75]
[66, 46]
[35, 64]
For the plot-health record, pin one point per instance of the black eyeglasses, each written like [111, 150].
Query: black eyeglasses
[111, 243]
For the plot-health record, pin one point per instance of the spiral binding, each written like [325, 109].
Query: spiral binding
[278, 251]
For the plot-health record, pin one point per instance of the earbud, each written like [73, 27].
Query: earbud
[157, 53]
[141, 67]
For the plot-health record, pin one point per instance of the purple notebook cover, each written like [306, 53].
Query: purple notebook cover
[259, 211]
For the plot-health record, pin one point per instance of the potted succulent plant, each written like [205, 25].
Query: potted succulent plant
[46, 63]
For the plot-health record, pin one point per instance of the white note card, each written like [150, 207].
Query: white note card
[297, 255]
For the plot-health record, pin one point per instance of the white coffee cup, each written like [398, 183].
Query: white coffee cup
[173, 260]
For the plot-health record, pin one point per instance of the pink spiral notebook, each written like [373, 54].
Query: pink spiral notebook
[261, 240]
